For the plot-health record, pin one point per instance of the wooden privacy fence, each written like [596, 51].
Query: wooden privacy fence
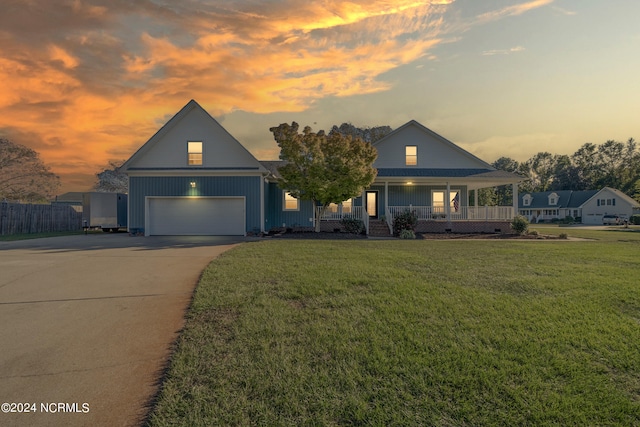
[16, 218]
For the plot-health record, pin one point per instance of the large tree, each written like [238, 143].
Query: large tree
[611, 164]
[503, 194]
[323, 168]
[367, 134]
[587, 171]
[111, 179]
[23, 175]
[540, 169]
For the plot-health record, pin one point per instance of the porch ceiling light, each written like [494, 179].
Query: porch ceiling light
[193, 184]
[409, 182]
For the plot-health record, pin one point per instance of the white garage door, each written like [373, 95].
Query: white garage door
[180, 216]
[592, 219]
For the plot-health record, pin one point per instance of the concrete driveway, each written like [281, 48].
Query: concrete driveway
[87, 323]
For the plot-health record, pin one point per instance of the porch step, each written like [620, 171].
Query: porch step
[378, 228]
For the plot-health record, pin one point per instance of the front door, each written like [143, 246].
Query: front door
[372, 203]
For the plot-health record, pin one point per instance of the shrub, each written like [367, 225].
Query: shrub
[635, 219]
[520, 224]
[407, 220]
[563, 236]
[352, 225]
[533, 233]
[407, 234]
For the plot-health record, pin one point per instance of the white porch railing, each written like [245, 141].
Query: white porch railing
[389, 219]
[464, 213]
[356, 212]
[365, 219]
[340, 213]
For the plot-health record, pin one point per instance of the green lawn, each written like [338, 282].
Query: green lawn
[443, 333]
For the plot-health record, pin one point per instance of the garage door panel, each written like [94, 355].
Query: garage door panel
[196, 216]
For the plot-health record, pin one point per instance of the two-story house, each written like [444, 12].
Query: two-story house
[194, 178]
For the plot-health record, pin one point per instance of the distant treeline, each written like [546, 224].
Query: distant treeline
[611, 164]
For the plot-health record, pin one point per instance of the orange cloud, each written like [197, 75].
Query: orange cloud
[111, 73]
[514, 10]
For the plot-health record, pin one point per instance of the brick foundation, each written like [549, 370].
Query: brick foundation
[503, 227]
[330, 226]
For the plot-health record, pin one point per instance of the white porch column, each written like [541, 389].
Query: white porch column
[447, 202]
[514, 188]
[475, 197]
[386, 197]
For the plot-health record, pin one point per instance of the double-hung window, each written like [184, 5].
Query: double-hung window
[290, 202]
[438, 201]
[194, 153]
[411, 155]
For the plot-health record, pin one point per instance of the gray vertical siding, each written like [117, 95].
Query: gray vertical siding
[416, 195]
[247, 186]
[275, 216]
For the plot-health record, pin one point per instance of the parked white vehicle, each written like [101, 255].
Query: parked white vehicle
[611, 220]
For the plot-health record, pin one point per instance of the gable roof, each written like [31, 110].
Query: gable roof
[438, 160]
[579, 198]
[249, 162]
[618, 193]
[272, 166]
[566, 199]
[429, 135]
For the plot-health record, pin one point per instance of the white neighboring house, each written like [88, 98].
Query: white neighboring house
[589, 205]
[608, 201]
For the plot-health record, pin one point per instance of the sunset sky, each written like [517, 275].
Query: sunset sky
[87, 81]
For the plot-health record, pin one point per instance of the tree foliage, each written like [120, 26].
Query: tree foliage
[111, 179]
[23, 175]
[323, 168]
[367, 134]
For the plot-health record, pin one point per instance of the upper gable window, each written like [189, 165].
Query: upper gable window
[194, 151]
[411, 155]
[553, 199]
[527, 200]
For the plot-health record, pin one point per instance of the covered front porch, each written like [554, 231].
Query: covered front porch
[440, 205]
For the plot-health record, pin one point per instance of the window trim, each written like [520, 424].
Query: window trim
[452, 192]
[284, 202]
[190, 152]
[408, 156]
